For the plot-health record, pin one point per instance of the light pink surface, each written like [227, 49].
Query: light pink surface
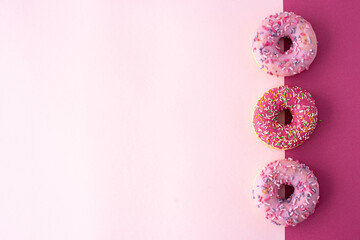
[131, 120]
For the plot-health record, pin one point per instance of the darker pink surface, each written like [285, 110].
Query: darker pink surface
[333, 150]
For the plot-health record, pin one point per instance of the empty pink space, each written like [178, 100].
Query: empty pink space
[131, 120]
[332, 151]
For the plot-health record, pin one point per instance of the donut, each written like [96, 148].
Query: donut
[304, 117]
[300, 205]
[266, 49]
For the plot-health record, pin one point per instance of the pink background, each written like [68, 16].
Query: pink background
[332, 152]
[131, 120]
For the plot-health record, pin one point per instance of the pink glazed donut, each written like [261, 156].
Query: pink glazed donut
[304, 117]
[266, 47]
[300, 205]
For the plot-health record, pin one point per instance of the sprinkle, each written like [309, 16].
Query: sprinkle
[280, 25]
[300, 205]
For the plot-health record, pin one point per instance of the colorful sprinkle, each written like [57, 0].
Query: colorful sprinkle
[300, 205]
[304, 112]
[267, 51]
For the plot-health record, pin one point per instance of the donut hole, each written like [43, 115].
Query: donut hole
[284, 117]
[285, 191]
[285, 44]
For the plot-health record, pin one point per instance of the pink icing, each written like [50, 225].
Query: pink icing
[266, 49]
[300, 205]
[303, 110]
